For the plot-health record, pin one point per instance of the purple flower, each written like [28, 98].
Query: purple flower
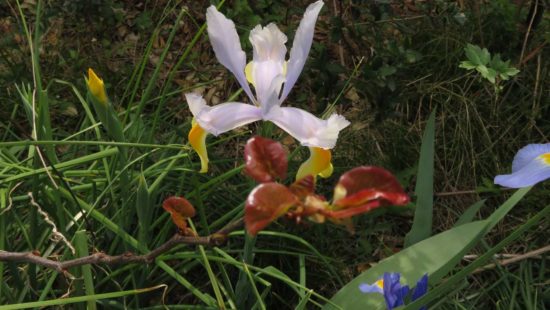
[420, 289]
[395, 293]
[531, 165]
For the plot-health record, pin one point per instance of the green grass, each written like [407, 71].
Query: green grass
[386, 68]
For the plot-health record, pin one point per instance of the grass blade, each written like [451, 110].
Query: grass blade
[422, 223]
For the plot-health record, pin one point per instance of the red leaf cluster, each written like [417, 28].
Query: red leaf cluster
[359, 190]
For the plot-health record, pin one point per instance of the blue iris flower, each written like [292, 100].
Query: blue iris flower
[395, 293]
[531, 165]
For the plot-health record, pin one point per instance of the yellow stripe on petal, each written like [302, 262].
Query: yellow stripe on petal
[97, 89]
[318, 163]
[248, 72]
[197, 139]
[545, 158]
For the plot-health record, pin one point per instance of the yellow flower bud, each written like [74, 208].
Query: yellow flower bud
[95, 84]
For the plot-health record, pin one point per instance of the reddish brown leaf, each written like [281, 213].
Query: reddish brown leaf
[303, 187]
[265, 159]
[180, 209]
[365, 184]
[266, 203]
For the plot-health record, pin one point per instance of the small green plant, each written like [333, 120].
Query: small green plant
[493, 69]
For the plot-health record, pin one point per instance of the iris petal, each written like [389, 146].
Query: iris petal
[197, 139]
[318, 163]
[300, 46]
[222, 117]
[527, 154]
[376, 287]
[306, 127]
[531, 173]
[216, 120]
[227, 46]
[268, 43]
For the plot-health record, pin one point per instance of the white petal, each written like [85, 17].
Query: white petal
[527, 154]
[222, 117]
[196, 103]
[531, 173]
[227, 47]
[301, 46]
[268, 94]
[306, 127]
[268, 43]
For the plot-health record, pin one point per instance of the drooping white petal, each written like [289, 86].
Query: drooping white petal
[227, 47]
[527, 154]
[300, 46]
[531, 173]
[306, 127]
[222, 117]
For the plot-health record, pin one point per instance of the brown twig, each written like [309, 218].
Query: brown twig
[215, 239]
[514, 259]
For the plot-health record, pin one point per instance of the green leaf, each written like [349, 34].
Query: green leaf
[143, 210]
[477, 55]
[503, 68]
[72, 300]
[490, 75]
[506, 207]
[422, 223]
[386, 71]
[435, 256]
[470, 213]
[81, 243]
[468, 65]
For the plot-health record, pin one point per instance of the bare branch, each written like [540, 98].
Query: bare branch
[215, 239]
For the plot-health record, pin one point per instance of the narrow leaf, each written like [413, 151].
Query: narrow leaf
[470, 213]
[81, 242]
[422, 223]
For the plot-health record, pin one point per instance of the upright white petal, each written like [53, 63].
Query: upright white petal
[227, 47]
[269, 60]
[301, 46]
[306, 127]
[268, 43]
[222, 117]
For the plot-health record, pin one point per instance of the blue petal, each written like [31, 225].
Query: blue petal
[393, 290]
[420, 289]
[535, 171]
[527, 154]
[370, 288]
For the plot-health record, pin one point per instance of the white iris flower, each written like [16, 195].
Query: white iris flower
[272, 77]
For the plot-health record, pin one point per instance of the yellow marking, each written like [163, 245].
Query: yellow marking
[380, 283]
[318, 163]
[97, 89]
[248, 71]
[545, 158]
[197, 139]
